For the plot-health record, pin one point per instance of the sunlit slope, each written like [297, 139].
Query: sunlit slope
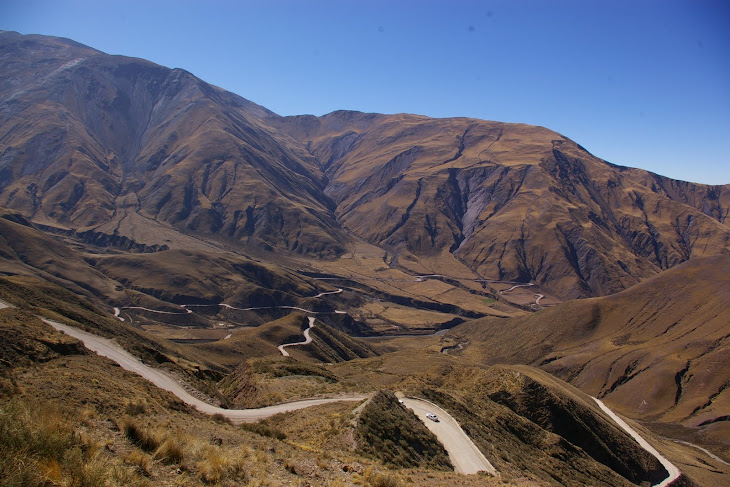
[26, 251]
[122, 146]
[511, 201]
[112, 148]
[658, 350]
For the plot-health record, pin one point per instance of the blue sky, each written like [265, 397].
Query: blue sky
[639, 83]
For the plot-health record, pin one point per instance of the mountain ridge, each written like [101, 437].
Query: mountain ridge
[123, 147]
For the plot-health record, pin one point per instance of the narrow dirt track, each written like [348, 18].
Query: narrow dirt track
[307, 338]
[673, 471]
[108, 348]
[463, 453]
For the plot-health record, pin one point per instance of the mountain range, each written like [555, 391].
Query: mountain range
[202, 232]
[111, 147]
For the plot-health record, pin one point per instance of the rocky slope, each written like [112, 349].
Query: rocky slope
[511, 201]
[125, 147]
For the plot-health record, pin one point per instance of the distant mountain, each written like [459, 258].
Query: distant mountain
[122, 146]
[116, 147]
[511, 201]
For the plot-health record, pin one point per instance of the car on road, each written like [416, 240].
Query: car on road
[432, 417]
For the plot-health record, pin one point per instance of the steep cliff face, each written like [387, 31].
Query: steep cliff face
[113, 144]
[511, 201]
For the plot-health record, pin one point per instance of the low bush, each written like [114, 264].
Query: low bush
[263, 429]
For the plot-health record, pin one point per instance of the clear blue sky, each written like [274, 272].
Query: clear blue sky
[640, 83]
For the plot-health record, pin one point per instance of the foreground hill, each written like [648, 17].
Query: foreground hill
[121, 428]
[657, 351]
[111, 149]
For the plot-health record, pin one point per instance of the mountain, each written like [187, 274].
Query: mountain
[510, 201]
[109, 147]
[656, 351]
[201, 232]
[122, 146]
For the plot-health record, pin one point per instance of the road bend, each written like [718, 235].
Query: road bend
[307, 338]
[673, 471]
[463, 453]
[108, 348]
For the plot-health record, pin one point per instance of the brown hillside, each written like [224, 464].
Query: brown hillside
[657, 351]
[511, 201]
[123, 152]
[122, 146]
[25, 250]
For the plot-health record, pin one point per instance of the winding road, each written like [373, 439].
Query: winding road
[538, 296]
[465, 456]
[329, 292]
[307, 338]
[463, 453]
[108, 348]
[673, 471]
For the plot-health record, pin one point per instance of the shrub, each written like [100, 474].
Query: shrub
[263, 429]
[138, 435]
[219, 418]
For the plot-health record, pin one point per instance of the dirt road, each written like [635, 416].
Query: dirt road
[108, 348]
[463, 453]
[307, 338]
[670, 468]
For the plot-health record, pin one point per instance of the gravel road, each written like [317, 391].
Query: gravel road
[463, 453]
[110, 349]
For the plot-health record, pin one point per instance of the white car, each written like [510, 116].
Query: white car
[432, 417]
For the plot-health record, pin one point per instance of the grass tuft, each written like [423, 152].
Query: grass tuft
[139, 435]
[39, 447]
[136, 408]
[263, 429]
[172, 449]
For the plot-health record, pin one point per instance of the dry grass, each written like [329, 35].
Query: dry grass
[379, 479]
[173, 448]
[139, 435]
[394, 435]
[40, 446]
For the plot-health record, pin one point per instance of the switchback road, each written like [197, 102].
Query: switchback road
[108, 348]
[307, 338]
